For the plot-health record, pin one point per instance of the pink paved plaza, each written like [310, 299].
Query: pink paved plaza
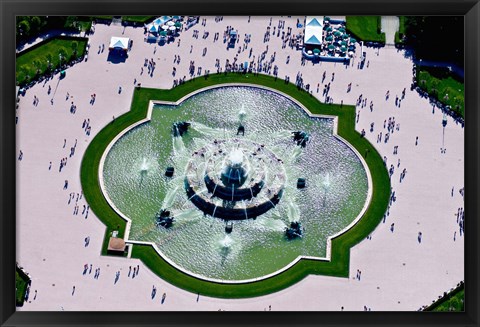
[398, 272]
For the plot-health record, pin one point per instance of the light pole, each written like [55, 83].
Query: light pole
[444, 123]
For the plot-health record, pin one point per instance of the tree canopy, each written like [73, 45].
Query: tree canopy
[436, 38]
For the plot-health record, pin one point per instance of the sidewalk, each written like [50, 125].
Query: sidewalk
[390, 25]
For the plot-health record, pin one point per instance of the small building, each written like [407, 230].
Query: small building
[313, 31]
[120, 44]
[116, 245]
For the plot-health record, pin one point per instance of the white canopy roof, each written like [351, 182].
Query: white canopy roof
[314, 30]
[158, 23]
[314, 21]
[119, 42]
[161, 20]
[153, 29]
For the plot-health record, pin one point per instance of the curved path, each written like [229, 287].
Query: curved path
[397, 272]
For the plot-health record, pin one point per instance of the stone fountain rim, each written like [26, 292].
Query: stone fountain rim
[152, 103]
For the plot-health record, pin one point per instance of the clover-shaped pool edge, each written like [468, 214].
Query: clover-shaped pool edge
[338, 246]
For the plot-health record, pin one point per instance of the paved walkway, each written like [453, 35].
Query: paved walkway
[390, 25]
[397, 272]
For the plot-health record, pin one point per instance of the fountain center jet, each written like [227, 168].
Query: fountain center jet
[235, 174]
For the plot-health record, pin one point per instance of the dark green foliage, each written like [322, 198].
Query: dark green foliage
[440, 82]
[74, 46]
[28, 27]
[21, 283]
[70, 22]
[436, 38]
[24, 27]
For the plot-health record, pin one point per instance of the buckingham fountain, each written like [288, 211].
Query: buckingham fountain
[234, 173]
[235, 183]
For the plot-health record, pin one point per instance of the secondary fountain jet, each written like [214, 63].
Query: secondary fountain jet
[301, 138]
[294, 231]
[241, 129]
[180, 128]
[163, 219]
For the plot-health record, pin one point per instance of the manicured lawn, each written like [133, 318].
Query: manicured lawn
[340, 256]
[103, 17]
[27, 63]
[138, 19]
[21, 282]
[454, 301]
[440, 86]
[365, 28]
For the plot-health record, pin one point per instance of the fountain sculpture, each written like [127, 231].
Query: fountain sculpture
[295, 230]
[180, 128]
[239, 190]
[301, 138]
[163, 219]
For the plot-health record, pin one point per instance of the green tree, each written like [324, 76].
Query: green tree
[24, 27]
[62, 54]
[434, 89]
[25, 72]
[49, 58]
[446, 97]
[458, 102]
[35, 23]
[454, 305]
[438, 38]
[70, 22]
[38, 65]
[75, 48]
[423, 83]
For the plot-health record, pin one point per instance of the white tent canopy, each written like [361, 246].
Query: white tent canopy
[314, 21]
[161, 20]
[314, 30]
[119, 42]
[155, 25]
[153, 29]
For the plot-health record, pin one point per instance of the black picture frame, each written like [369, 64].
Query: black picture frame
[8, 315]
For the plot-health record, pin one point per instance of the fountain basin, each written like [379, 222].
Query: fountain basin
[320, 218]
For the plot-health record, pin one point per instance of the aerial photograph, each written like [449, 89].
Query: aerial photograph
[240, 163]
